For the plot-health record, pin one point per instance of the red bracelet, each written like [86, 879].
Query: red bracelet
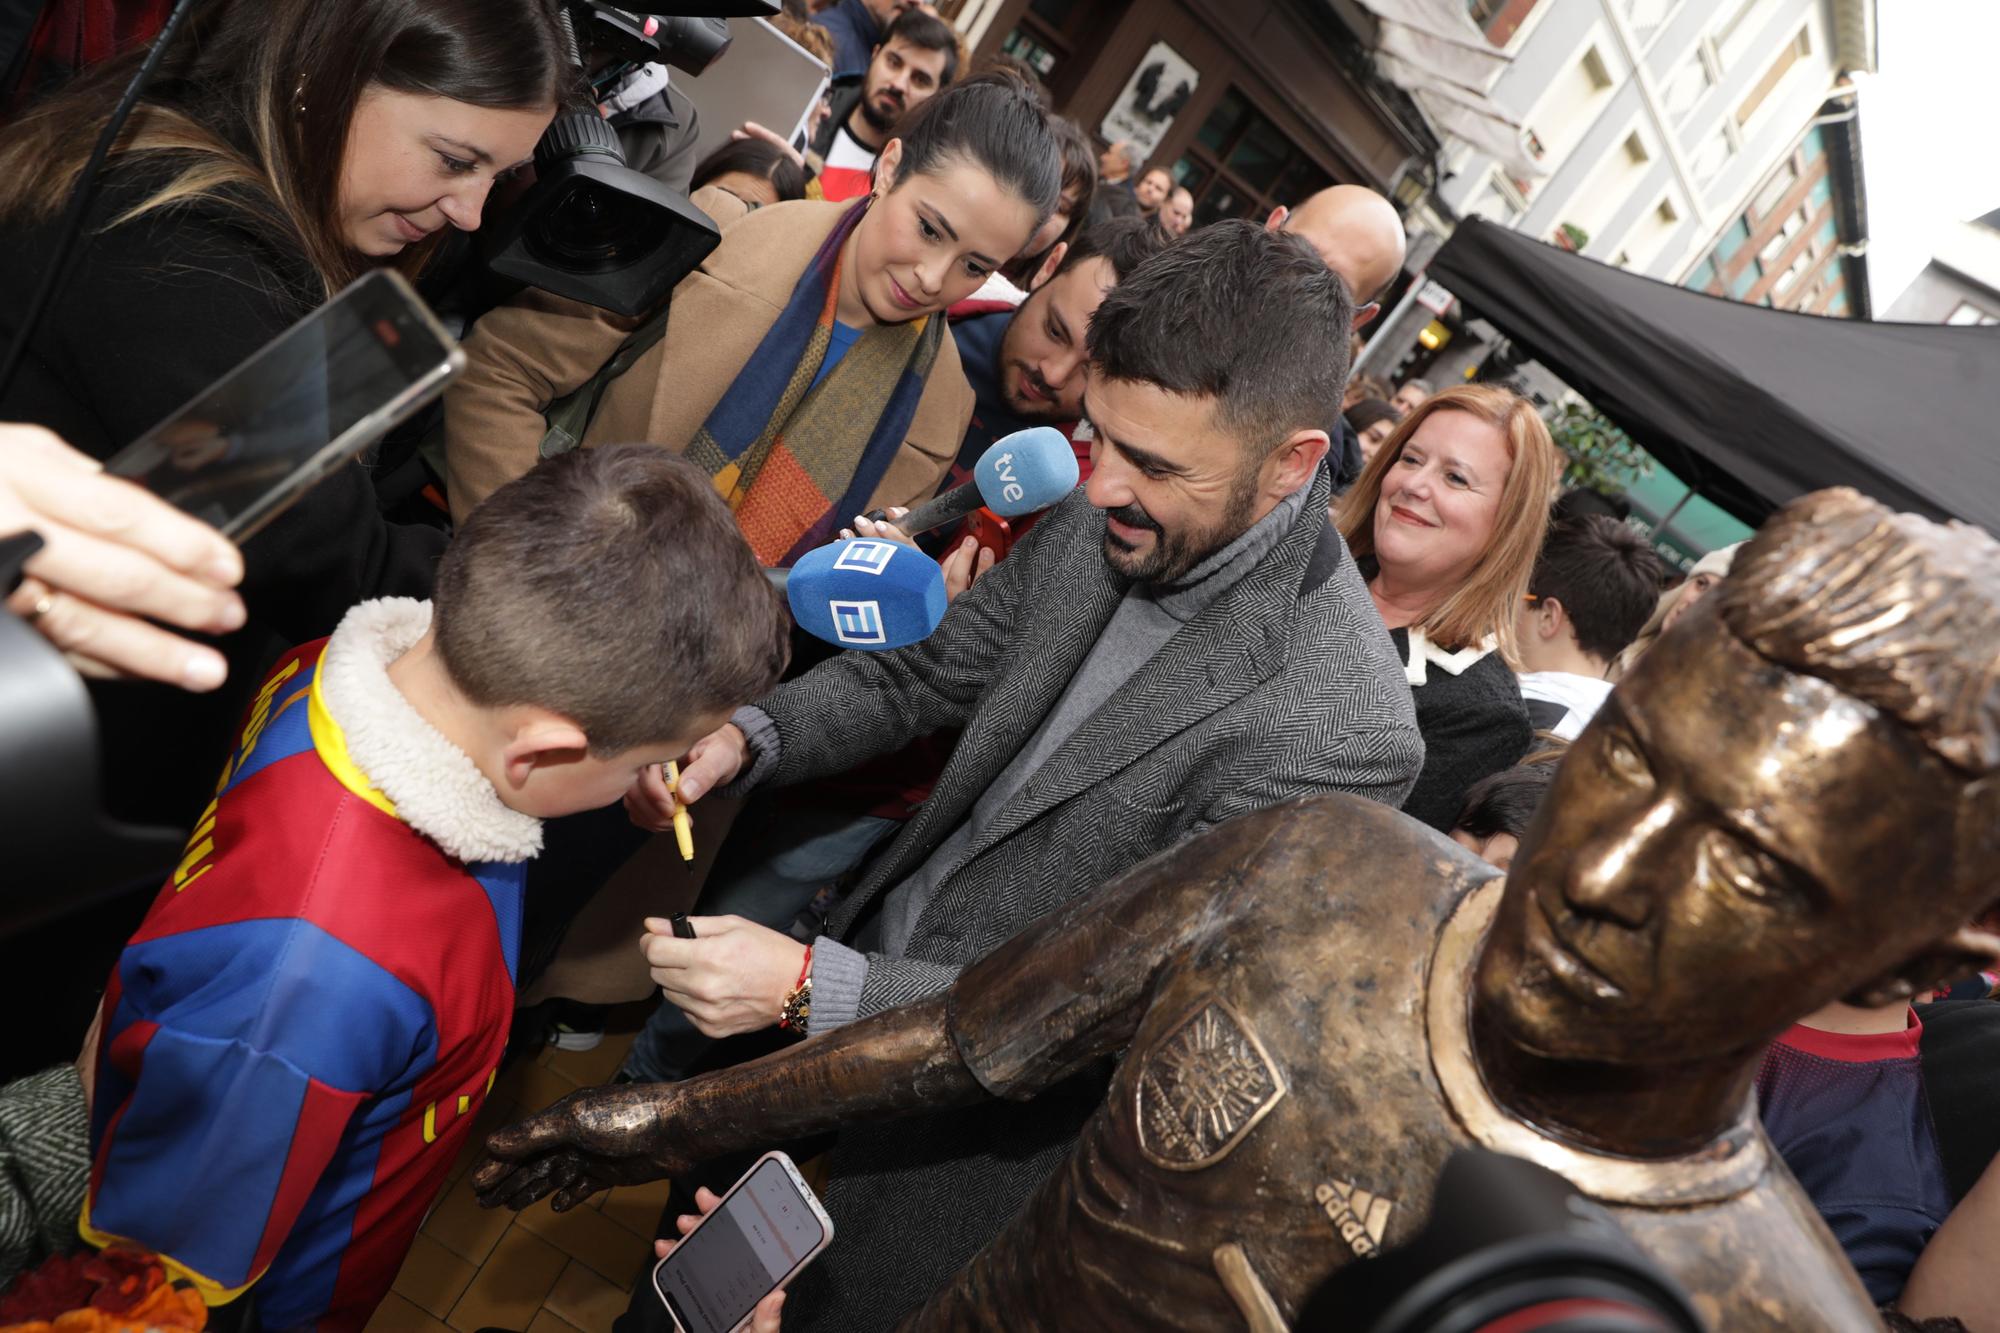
[798, 1002]
[805, 968]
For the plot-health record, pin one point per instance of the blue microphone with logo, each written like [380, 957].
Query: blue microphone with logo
[1018, 474]
[865, 593]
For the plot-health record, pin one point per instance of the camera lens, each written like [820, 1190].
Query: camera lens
[593, 230]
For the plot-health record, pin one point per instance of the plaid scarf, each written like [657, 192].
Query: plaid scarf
[796, 460]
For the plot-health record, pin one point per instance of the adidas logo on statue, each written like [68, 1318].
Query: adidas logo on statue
[1359, 1217]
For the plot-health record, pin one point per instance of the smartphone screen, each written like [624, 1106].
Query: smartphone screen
[328, 387]
[755, 1240]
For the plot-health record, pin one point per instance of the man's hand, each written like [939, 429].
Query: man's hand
[593, 1139]
[763, 1319]
[715, 761]
[732, 977]
[113, 558]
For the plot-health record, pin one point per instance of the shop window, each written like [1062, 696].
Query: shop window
[1241, 164]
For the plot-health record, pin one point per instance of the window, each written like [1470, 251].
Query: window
[1821, 192]
[1731, 241]
[1494, 203]
[1711, 157]
[1740, 285]
[1650, 234]
[1241, 165]
[1827, 237]
[1058, 39]
[1646, 17]
[1702, 278]
[1735, 33]
[1687, 86]
[1774, 191]
[1967, 313]
[1798, 47]
[1566, 111]
[1798, 269]
[1783, 236]
[1838, 305]
[1814, 144]
[1499, 19]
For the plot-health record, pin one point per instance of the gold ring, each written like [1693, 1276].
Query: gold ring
[42, 606]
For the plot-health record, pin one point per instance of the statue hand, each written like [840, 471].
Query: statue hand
[591, 1140]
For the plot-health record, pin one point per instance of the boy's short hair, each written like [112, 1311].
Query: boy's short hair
[1505, 802]
[1251, 318]
[611, 586]
[1606, 576]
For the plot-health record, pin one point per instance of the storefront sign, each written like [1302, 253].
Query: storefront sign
[1153, 96]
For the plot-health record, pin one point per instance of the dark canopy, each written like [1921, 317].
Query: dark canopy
[1751, 406]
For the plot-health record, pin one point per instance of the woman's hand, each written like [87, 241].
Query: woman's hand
[763, 1319]
[113, 558]
[881, 529]
[750, 129]
[966, 564]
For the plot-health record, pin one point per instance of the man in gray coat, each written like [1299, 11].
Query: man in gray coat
[1183, 641]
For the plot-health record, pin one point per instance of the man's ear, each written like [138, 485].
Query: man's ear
[1957, 955]
[1296, 458]
[1049, 265]
[539, 739]
[1551, 618]
[1364, 313]
[1276, 221]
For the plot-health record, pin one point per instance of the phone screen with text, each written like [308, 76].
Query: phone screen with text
[761, 1233]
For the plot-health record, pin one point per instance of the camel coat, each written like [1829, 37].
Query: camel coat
[538, 347]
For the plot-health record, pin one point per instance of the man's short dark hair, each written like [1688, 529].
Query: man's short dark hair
[1607, 578]
[1125, 242]
[1251, 318]
[926, 32]
[611, 586]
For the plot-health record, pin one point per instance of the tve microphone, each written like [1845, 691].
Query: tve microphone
[1018, 474]
[865, 593]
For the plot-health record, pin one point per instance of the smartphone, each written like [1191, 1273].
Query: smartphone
[767, 1228]
[323, 391]
[990, 530]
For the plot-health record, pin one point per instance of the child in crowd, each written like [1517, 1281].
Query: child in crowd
[297, 1039]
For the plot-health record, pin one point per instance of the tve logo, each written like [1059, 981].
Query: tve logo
[858, 623]
[866, 556]
[1003, 467]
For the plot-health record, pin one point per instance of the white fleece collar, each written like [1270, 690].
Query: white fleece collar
[1422, 650]
[436, 788]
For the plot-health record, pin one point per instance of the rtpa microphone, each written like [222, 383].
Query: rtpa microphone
[1018, 474]
[864, 593]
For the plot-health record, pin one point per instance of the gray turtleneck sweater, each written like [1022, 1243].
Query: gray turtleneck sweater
[1149, 616]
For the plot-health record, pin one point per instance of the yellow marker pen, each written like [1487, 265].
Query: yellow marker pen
[683, 825]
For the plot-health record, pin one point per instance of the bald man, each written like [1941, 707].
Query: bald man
[1359, 235]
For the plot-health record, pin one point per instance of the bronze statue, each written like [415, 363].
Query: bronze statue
[1792, 799]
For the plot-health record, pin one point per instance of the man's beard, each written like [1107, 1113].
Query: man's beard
[1049, 408]
[876, 120]
[1174, 554]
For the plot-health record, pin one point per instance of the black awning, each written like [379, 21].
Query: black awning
[1751, 406]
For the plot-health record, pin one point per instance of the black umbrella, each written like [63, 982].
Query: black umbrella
[1751, 406]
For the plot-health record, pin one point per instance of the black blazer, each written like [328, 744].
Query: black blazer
[153, 312]
[1473, 724]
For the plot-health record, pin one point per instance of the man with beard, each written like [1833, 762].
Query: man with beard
[1153, 189]
[1184, 640]
[917, 58]
[1026, 364]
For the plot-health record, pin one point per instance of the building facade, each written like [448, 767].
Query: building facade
[1961, 284]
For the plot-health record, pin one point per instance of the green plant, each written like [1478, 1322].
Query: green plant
[1602, 457]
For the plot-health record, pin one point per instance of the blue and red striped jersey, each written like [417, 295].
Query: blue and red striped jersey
[297, 1038]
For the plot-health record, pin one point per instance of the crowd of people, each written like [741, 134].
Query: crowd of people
[414, 752]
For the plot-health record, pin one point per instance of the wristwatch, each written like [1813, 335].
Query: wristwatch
[798, 1007]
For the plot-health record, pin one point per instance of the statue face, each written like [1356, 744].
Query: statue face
[1726, 846]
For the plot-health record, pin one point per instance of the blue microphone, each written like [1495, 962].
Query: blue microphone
[865, 593]
[1018, 474]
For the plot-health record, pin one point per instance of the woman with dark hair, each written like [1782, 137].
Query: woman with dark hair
[282, 149]
[1079, 186]
[744, 175]
[805, 364]
[1374, 421]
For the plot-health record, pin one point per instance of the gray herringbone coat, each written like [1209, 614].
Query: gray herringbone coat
[1286, 685]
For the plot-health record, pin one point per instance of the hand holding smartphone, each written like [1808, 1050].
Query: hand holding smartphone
[724, 1272]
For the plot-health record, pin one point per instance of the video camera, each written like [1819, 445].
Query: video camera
[591, 228]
